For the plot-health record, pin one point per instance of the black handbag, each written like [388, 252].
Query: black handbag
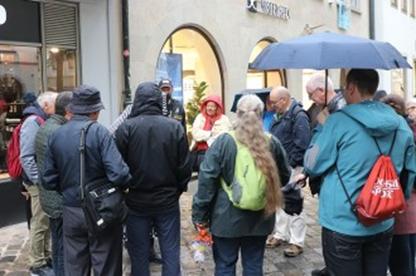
[102, 202]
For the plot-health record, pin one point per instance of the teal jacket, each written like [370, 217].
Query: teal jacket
[347, 142]
[211, 204]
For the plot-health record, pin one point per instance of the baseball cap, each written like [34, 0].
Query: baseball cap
[165, 83]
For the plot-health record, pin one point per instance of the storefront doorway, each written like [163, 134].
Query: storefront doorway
[188, 58]
[263, 79]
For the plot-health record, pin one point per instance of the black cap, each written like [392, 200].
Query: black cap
[165, 83]
[85, 100]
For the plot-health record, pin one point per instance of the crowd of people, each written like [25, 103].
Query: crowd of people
[251, 172]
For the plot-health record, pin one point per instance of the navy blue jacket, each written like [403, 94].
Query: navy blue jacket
[293, 131]
[62, 170]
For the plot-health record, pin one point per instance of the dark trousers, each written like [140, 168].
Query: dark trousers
[57, 246]
[83, 251]
[167, 226]
[358, 256]
[226, 250]
[402, 255]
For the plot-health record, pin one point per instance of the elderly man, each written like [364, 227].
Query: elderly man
[62, 173]
[291, 127]
[34, 117]
[343, 151]
[51, 201]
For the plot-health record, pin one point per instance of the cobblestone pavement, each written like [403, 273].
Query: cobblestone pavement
[14, 248]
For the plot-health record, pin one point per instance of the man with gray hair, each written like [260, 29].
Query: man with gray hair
[315, 87]
[34, 116]
[51, 201]
[291, 126]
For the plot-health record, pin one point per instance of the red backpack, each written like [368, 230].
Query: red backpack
[381, 196]
[14, 166]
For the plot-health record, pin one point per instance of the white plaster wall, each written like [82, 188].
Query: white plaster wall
[399, 29]
[233, 30]
[101, 52]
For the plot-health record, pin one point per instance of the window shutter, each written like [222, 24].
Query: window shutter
[60, 25]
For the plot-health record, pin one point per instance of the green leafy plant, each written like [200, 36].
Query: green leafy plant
[192, 107]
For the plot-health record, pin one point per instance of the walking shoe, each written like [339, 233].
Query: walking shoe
[42, 271]
[273, 242]
[293, 250]
[320, 272]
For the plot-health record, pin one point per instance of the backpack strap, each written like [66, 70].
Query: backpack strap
[82, 150]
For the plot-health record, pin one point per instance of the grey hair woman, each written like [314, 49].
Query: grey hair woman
[232, 227]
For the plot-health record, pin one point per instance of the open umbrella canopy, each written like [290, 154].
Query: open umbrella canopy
[328, 50]
[261, 93]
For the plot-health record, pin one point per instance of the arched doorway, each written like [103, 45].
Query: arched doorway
[188, 58]
[263, 79]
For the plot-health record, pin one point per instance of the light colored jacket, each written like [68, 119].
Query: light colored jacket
[199, 134]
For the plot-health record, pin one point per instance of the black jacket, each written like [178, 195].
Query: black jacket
[156, 150]
[102, 159]
[292, 129]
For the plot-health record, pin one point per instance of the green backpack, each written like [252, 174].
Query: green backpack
[248, 188]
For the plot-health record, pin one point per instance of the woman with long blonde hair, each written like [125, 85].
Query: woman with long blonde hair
[233, 225]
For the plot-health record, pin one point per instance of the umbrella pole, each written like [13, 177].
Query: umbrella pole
[326, 87]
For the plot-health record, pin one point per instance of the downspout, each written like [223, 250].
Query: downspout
[126, 52]
[372, 33]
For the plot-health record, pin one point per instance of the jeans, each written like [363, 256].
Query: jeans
[57, 246]
[402, 255]
[358, 256]
[167, 226]
[226, 250]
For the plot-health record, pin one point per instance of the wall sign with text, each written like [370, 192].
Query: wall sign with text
[269, 8]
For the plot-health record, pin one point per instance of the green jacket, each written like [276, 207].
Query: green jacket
[211, 204]
[51, 201]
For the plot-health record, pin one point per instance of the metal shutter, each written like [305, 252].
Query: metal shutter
[60, 25]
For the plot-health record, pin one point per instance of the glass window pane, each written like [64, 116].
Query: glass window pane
[61, 69]
[20, 72]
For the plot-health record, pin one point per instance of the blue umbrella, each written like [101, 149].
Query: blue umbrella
[328, 50]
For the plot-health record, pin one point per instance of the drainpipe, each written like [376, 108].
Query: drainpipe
[126, 52]
[372, 33]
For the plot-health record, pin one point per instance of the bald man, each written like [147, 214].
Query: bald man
[291, 126]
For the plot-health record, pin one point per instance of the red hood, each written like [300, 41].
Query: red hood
[215, 99]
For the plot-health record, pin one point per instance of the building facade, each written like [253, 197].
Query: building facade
[395, 22]
[214, 41]
[54, 45]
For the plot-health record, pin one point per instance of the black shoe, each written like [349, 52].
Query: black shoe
[42, 271]
[320, 272]
[154, 258]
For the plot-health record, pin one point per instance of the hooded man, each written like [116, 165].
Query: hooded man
[156, 150]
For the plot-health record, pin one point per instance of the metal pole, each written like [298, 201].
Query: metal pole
[326, 88]
[126, 52]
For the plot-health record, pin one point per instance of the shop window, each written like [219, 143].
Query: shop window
[404, 6]
[356, 5]
[188, 58]
[412, 8]
[398, 85]
[263, 79]
[20, 72]
[61, 69]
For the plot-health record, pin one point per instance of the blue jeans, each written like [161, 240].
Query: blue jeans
[402, 255]
[167, 226]
[359, 256]
[57, 246]
[226, 250]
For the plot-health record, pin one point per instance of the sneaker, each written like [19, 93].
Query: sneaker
[293, 250]
[273, 242]
[42, 271]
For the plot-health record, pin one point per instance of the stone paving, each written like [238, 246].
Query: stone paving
[14, 248]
